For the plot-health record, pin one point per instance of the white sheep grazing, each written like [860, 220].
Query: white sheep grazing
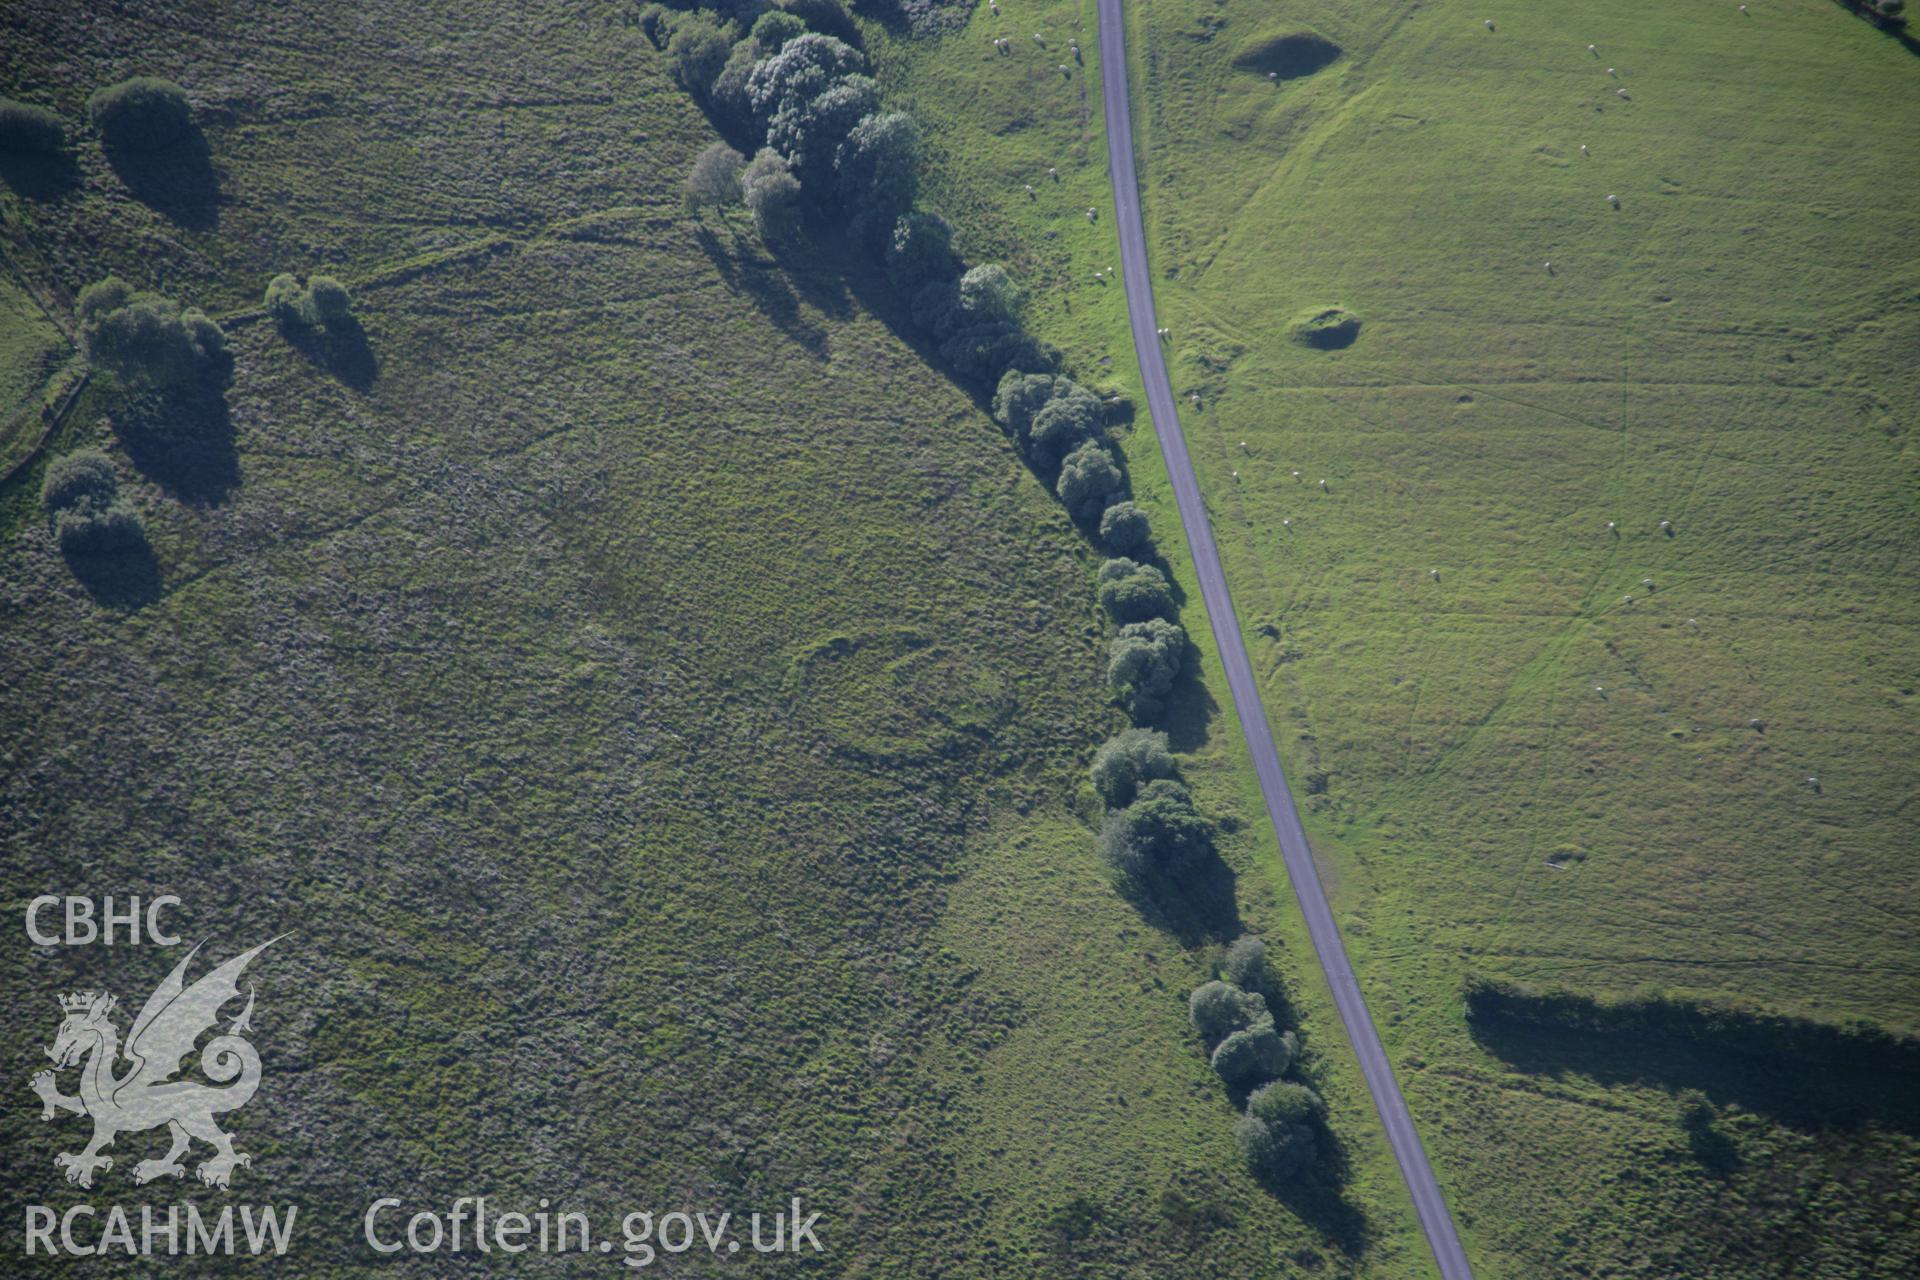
[1065, 72]
[1620, 93]
[1434, 574]
[1549, 268]
[1595, 52]
[1756, 723]
[1613, 73]
[1647, 583]
[1029, 187]
[1627, 599]
[1236, 475]
[1323, 484]
[1054, 173]
[1583, 148]
[1666, 526]
[1743, 8]
[1273, 75]
[1296, 475]
[1037, 40]
[1612, 527]
[1614, 201]
[1286, 524]
[1694, 623]
[1489, 24]
[1600, 689]
[1092, 213]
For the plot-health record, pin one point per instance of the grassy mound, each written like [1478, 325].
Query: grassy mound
[1325, 327]
[1289, 54]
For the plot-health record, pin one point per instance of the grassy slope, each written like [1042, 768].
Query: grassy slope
[1726, 351]
[671, 785]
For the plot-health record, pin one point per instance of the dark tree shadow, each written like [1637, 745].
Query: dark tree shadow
[118, 579]
[1319, 1199]
[1189, 711]
[1196, 906]
[39, 177]
[765, 284]
[1807, 1096]
[182, 440]
[340, 347]
[1712, 1148]
[176, 181]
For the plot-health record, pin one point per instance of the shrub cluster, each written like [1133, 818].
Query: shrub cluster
[141, 114]
[81, 495]
[321, 302]
[30, 129]
[146, 339]
[1239, 1018]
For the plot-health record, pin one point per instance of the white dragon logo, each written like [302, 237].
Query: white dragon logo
[146, 1097]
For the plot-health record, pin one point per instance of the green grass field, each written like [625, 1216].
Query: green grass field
[652, 698]
[1525, 772]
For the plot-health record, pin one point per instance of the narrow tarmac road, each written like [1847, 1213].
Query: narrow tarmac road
[1428, 1203]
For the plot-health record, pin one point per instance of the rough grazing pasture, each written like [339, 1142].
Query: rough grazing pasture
[651, 699]
[1611, 759]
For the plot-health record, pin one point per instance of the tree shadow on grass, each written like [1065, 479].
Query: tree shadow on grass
[1190, 709]
[1806, 1096]
[340, 347]
[176, 181]
[118, 579]
[39, 177]
[766, 284]
[182, 440]
[1196, 906]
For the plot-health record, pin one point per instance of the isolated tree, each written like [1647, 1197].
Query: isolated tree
[141, 114]
[144, 338]
[1089, 479]
[921, 250]
[328, 300]
[696, 52]
[88, 530]
[715, 177]
[285, 299]
[1128, 761]
[1159, 833]
[30, 130]
[83, 476]
[772, 195]
[1251, 1057]
[1218, 1009]
[1124, 528]
[1133, 592]
[101, 297]
[1143, 661]
[877, 171]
